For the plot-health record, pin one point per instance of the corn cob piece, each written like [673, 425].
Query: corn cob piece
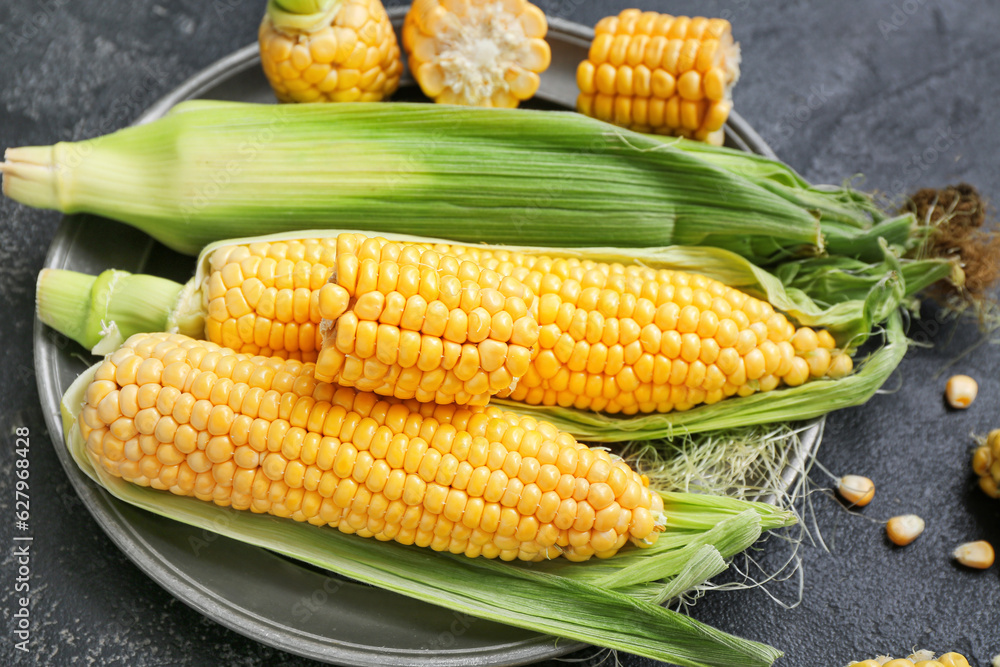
[475, 53]
[658, 73]
[409, 322]
[329, 51]
[262, 434]
[986, 464]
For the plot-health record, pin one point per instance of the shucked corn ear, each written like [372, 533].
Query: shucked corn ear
[329, 50]
[472, 322]
[263, 434]
[659, 73]
[475, 53]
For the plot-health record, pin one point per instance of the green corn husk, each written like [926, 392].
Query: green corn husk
[849, 303]
[215, 170]
[613, 603]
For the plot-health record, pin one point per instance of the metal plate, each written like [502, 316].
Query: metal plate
[273, 600]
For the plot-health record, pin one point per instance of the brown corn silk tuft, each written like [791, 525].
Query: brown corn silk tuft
[958, 221]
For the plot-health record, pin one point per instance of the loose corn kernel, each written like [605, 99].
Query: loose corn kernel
[856, 489]
[961, 391]
[953, 659]
[903, 529]
[978, 555]
[351, 56]
[664, 74]
[349, 471]
[477, 54]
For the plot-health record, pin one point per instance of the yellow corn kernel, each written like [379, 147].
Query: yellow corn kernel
[856, 489]
[903, 529]
[960, 391]
[978, 555]
[347, 470]
[953, 659]
[645, 68]
[481, 54]
[351, 55]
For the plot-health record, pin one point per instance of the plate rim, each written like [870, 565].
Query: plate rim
[106, 510]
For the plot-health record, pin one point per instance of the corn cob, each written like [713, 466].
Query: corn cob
[603, 337]
[475, 53]
[473, 175]
[262, 434]
[986, 464]
[329, 51]
[658, 73]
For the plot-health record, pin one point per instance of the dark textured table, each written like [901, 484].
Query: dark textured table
[904, 92]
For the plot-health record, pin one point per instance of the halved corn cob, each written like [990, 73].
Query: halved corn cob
[409, 322]
[606, 337]
[476, 53]
[329, 51]
[262, 434]
[658, 73]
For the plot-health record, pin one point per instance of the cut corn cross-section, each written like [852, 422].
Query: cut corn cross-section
[476, 53]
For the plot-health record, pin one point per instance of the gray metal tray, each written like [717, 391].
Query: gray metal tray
[271, 599]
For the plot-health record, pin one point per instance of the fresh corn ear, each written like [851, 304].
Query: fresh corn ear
[486, 54]
[329, 50]
[459, 324]
[262, 434]
[659, 73]
[266, 301]
[211, 171]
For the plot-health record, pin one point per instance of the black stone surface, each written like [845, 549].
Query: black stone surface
[904, 92]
